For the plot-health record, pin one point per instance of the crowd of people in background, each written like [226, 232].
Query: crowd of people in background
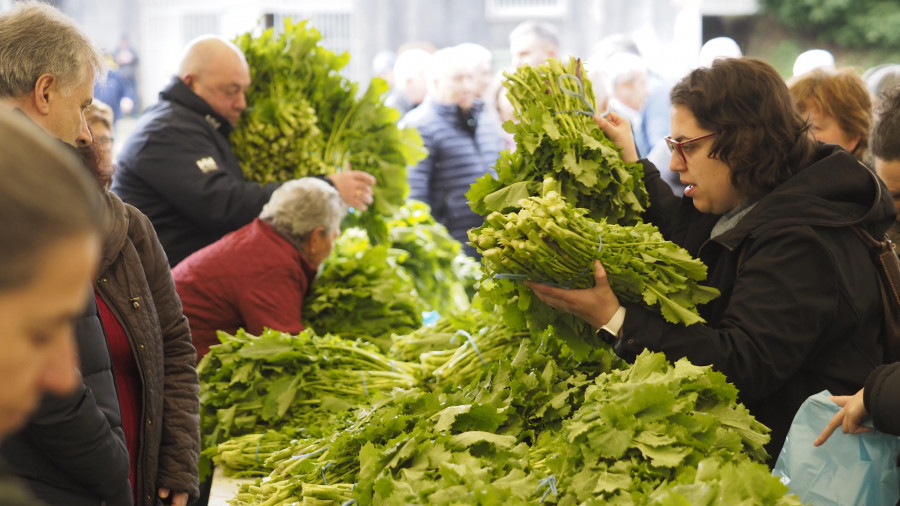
[119, 266]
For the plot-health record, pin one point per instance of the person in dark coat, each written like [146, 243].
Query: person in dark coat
[463, 143]
[258, 275]
[51, 244]
[72, 451]
[885, 149]
[178, 168]
[881, 395]
[770, 211]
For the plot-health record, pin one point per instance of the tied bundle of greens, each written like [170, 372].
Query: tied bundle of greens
[443, 275]
[440, 337]
[647, 425]
[306, 382]
[549, 241]
[556, 137]
[304, 118]
[247, 455]
[363, 292]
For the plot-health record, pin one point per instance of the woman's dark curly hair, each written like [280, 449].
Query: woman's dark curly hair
[760, 134]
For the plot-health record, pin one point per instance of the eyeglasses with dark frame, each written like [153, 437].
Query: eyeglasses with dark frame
[104, 141]
[678, 146]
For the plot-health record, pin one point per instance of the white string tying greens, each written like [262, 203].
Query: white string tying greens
[256, 457]
[471, 340]
[325, 468]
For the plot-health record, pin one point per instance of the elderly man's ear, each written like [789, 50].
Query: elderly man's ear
[44, 89]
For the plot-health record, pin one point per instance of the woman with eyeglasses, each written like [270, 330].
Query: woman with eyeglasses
[770, 211]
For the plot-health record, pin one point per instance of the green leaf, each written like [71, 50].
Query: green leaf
[476, 436]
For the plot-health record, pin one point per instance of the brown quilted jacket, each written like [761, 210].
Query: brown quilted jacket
[136, 283]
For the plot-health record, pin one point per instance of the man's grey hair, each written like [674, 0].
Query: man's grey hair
[544, 31]
[37, 39]
[302, 205]
[445, 62]
[622, 67]
[409, 64]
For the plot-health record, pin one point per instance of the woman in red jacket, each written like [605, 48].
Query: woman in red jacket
[258, 275]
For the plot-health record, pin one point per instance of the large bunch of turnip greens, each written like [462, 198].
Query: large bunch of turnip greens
[253, 383]
[547, 240]
[304, 118]
[442, 273]
[556, 137]
[363, 291]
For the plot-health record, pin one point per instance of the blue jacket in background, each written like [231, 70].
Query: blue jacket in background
[461, 148]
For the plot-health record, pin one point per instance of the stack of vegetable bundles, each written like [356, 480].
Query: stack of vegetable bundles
[304, 118]
[496, 407]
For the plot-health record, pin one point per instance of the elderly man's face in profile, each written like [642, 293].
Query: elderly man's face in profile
[66, 119]
[224, 87]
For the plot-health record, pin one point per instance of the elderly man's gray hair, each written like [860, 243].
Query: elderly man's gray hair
[37, 39]
[302, 205]
[544, 31]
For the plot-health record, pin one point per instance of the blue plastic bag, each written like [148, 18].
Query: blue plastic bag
[857, 469]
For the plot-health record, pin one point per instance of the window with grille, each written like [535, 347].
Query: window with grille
[335, 27]
[522, 9]
[196, 24]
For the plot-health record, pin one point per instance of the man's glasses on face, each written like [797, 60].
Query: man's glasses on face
[104, 141]
[677, 147]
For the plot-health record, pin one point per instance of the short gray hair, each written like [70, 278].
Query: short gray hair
[37, 39]
[302, 205]
[544, 31]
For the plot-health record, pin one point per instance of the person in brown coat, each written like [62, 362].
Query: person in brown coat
[154, 363]
[151, 349]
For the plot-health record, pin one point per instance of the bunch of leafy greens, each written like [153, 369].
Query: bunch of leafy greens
[648, 424]
[556, 137]
[443, 275]
[276, 380]
[246, 456]
[549, 241]
[363, 292]
[439, 337]
[304, 118]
